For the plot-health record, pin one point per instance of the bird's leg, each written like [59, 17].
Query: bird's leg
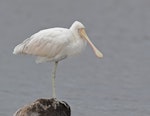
[53, 79]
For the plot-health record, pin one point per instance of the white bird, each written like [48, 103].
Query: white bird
[56, 44]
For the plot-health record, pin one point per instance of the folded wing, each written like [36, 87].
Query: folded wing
[46, 43]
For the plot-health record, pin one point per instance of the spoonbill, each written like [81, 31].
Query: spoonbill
[56, 44]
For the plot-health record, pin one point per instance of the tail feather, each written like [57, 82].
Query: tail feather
[18, 49]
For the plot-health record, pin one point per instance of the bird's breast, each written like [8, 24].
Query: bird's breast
[76, 47]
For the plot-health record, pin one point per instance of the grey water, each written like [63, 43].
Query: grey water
[117, 85]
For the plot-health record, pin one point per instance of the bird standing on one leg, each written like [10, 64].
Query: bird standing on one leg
[56, 44]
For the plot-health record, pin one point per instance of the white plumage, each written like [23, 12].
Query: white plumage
[55, 44]
[52, 44]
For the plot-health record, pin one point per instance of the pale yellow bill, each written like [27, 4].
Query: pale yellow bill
[96, 51]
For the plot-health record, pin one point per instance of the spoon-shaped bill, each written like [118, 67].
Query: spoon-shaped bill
[96, 51]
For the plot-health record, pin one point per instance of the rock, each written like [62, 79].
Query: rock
[45, 107]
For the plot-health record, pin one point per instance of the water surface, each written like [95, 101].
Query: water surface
[117, 85]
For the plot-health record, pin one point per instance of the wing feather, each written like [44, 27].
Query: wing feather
[46, 43]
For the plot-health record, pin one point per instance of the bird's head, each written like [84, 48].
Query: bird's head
[79, 27]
